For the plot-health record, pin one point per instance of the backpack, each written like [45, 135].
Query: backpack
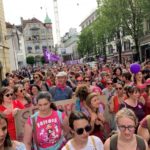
[35, 144]
[113, 142]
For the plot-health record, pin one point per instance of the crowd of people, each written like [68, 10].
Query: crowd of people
[112, 107]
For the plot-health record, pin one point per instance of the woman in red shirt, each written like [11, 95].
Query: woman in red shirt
[9, 108]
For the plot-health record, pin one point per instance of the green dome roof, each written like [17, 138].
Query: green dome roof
[47, 19]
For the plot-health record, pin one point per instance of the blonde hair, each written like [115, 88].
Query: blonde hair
[125, 112]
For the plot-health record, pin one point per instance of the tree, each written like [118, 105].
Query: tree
[30, 60]
[128, 16]
[86, 42]
[43, 60]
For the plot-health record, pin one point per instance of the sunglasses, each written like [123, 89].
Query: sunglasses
[79, 80]
[119, 88]
[123, 128]
[21, 90]
[87, 80]
[109, 83]
[80, 131]
[10, 94]
[35, 77]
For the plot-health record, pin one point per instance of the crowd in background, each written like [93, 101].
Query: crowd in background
[125, 111]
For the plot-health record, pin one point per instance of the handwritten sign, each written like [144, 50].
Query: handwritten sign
[67, 105]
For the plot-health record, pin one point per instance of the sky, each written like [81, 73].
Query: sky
[71, 12]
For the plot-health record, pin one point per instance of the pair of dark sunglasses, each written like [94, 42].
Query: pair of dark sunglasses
[22, 90]
[119, 88]
[10, 94]
[80, 131]
[35, 77]
[110, 83]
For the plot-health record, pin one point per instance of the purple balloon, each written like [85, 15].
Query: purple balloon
[135, 68]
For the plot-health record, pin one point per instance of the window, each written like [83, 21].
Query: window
[44, 47]
[127, 45]
[29, 48]
[110, 49]
[37, 47]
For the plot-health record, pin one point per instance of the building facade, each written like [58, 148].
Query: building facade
[16, 45]
[69, 45]
[89, 20]
[145, 41]
[4, 50]
[37, 36]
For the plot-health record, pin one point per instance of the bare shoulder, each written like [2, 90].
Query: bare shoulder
[107, 144]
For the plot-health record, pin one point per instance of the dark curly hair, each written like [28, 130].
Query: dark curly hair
[82, 92]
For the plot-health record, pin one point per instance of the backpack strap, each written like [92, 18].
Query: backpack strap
[113, 142]
[140, 143]
[60, 116]
[148, 122]
[93, 142]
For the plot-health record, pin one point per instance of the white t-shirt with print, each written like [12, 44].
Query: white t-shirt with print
[90, 145]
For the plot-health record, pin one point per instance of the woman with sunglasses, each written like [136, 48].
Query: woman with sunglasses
[81, 128]
[132, 102]
[125, 139]
[5, 141]
[115, 103]
[21, 96]
[117, 99]
[9, 108]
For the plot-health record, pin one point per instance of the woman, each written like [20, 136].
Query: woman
[34, 92]
[38, 80]
[125, 139]
[80, 128]
[147, 100]
[46, 125]
[21, 96]
[138, 79]
[99, 125]
[81, 93]
[117, 75]
[9, 108]
[132, 102]
[117, 99]
[144, 129]
[5, 140]
[115, 103]
[26, 85]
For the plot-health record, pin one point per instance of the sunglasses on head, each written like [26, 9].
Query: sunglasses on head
[10, 94]
[119, 88]
[80, 131]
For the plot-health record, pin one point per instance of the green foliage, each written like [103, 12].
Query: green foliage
[30, 60]
[86, 42]
[114, 16]
[43, 60]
